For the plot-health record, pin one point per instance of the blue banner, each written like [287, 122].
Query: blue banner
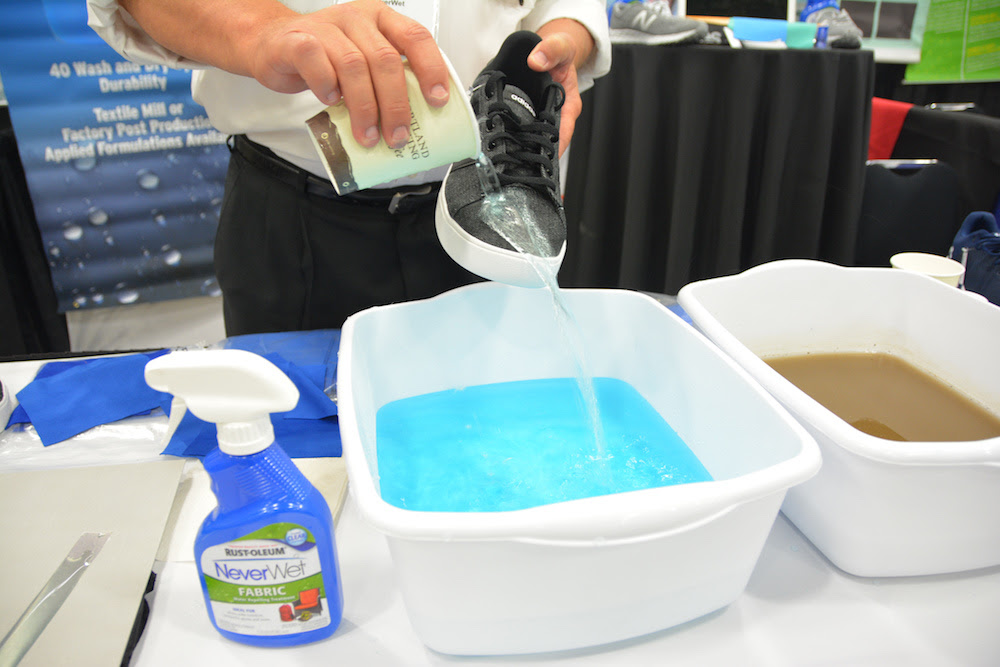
[124, 169]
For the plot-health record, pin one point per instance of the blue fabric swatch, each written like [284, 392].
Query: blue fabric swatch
[300, 438]
[313, 403]
[677, 310]
[68, 398]
[309, 430]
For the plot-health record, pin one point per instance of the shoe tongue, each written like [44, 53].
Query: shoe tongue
[519, 103]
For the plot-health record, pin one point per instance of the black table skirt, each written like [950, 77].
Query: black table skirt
[968, 142]
[29, 320]
[698, 161]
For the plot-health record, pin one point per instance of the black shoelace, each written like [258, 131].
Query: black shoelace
[530, 147]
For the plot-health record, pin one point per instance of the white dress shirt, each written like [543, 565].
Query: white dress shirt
[469, 32]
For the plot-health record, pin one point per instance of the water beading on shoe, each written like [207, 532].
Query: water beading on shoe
[653, 23]
[518, 113]
[977, 247]
[842, 31]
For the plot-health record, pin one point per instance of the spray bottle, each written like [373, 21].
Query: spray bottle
[266, 555]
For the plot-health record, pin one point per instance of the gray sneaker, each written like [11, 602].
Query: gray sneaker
[518, 111]
[842, 31]
[652, 23]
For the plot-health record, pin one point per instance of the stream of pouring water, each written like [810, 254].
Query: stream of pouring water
[504, 217]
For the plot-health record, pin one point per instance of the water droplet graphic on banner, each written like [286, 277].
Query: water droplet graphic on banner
[173, 257]
[73, 232]
[97, 216]
[159, 218]
[97, 298]
[85, 163]
[147, 180]
[128, 296]
[211, 288]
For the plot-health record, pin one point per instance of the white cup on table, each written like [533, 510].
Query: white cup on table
[941, 268]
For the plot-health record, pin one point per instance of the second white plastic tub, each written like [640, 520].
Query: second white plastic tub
[878, 507]
[588, 571]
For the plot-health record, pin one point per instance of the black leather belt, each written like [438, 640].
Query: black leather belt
[396, 200]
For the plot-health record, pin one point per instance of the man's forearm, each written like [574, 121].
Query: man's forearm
[348, 52]
[221, 33]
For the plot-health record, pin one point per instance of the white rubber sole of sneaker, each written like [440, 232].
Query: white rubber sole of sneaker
[629, 36]
[489, 261]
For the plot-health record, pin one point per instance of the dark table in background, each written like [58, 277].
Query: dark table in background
[690, 162]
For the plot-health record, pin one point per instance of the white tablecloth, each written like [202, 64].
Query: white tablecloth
[798, 609]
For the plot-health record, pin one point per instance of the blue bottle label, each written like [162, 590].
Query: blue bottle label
[266, 583]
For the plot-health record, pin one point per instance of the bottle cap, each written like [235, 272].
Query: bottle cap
[234, 389]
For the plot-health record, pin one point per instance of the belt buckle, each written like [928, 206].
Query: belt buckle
[398, 197]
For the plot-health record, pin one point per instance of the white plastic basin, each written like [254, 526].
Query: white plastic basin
[877, 507]
[589, 571]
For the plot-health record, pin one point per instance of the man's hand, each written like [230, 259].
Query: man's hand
[352, 52]
[349, 51]
[565, 46]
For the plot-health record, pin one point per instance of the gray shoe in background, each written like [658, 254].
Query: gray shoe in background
[653, 23]
[842, 31]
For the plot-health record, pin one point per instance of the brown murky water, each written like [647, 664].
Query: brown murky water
[888, 397]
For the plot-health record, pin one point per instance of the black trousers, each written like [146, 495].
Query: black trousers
[291, 255]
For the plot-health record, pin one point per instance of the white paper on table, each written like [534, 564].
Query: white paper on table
[42, 515]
